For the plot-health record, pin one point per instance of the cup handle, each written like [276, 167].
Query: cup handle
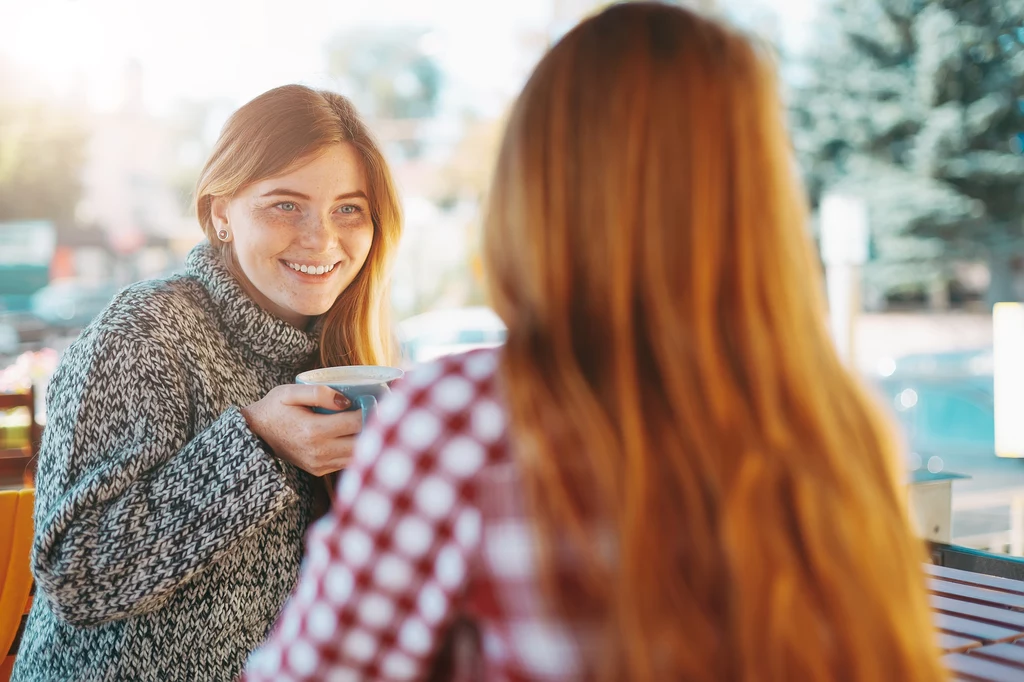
[367, 405]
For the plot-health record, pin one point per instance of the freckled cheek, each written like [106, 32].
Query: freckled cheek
[357, 242]
[270, 230]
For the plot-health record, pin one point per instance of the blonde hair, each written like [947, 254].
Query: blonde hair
[670, 378]
[274, 132]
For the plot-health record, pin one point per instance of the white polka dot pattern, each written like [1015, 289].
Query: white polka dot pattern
[266, 661]
[480, 366]
[507, 547]
[322, 622]
[344, 675]
[356, 547]
[415, 637]
[373, 509]
[451, 567]
[428, 520]
[376, 610]
[452, 393]
[545, 650]
[290, 625]
[433, 604]
[391, 409]
[367, 446]
[317, 558]
[360, 645]
[494, 646]
[393, 470]
[307, 592]
[338, 584]
[349, 486]
[488, 421]
[398, 666]
[435, 497]
[462, 457]
[393, 573]
[413, 536]
[467, 528]
[425, 375]
[419, 429]
[302, 658]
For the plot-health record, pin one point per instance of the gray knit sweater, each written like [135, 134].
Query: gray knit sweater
[167, 536]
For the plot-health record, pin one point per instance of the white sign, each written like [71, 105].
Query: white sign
[844, 230]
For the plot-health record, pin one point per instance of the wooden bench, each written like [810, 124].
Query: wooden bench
[980, 619]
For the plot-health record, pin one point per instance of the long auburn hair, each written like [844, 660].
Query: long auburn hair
[673, 391]
[279, 130]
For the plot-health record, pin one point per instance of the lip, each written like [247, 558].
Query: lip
[305, 276]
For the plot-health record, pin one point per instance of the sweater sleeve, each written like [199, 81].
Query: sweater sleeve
[128, 507]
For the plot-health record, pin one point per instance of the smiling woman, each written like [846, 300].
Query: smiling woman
[178, 471]
[317, 191]
[300, 238]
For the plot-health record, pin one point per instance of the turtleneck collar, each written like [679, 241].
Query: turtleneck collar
[247, 324]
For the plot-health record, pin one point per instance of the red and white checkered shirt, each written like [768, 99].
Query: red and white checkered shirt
[429, 525]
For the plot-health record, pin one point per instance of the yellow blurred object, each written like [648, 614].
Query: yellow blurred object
[15, 574]
[17, 454]
[18, 410]
[477, 267]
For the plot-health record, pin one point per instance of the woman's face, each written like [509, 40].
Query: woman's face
[301, 237]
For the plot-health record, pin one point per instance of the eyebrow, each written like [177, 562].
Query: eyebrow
[281, 192]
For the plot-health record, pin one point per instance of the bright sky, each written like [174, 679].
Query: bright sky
[237, 49]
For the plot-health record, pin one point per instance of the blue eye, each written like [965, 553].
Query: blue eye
[348, 209]
[287, 206]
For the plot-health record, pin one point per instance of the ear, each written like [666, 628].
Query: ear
[219, 212]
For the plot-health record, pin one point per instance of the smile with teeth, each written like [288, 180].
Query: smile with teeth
[311, 269]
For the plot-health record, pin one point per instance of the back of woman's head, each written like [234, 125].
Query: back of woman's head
[670, 377]
[272, 134]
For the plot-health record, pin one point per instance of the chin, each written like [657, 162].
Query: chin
[309, 305]
[312, 310]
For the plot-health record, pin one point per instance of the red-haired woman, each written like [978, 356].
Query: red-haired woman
[666, 473]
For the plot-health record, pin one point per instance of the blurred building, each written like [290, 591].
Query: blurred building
[126, 192]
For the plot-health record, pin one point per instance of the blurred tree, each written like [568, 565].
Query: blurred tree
[460, 189]
[42, 151]
[917, 106]
[467, 174]
[388, 72]
[193, 138]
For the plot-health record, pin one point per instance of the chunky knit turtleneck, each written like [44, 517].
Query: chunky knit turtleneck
[243, 321]
[167, 536]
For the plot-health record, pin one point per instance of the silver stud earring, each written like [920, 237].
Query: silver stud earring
[223, 235]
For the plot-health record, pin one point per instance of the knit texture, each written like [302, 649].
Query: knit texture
[167, 536]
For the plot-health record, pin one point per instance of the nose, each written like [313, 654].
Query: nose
[317, 233]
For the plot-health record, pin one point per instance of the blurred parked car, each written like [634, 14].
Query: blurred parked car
[71, 305]
[443, 332]
[973, 362]
[20, 331]
[944, 403]
[9, 339]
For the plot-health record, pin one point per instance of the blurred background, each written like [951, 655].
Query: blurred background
[907, 119]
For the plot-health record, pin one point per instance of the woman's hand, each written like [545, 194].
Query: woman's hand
[317, 443]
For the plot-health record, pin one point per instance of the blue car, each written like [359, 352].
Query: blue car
[70, 304]
[944, 403]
